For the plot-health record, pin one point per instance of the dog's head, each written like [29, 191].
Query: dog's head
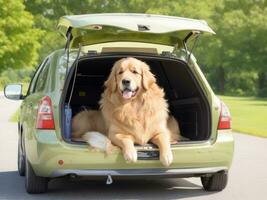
[130, 77]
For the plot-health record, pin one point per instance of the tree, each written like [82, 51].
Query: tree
[46, 15]
[18, 40]
[235, 54]
[244, 29]
[237, 48]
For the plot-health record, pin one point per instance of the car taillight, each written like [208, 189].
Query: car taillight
[45, 119]
[225, 117]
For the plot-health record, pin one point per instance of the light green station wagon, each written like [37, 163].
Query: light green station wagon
[71, 79]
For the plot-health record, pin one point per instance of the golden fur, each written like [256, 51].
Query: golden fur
[135, 115]
[82, 123]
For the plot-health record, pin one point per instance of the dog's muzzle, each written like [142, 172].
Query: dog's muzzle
[127, 91]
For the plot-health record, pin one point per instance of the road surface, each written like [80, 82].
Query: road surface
[247, 178]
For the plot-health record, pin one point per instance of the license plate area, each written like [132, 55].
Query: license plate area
[148, 155]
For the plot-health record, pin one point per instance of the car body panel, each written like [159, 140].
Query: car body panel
[213, 100]
[108, 27]
[48, 150]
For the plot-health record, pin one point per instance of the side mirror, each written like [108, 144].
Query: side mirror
[13, 91]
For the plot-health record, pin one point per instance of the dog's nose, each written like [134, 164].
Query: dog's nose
[126, 82]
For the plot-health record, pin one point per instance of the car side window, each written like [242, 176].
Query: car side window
[35, 76]
[42, 77]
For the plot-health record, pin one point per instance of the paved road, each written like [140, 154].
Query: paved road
[248, 175]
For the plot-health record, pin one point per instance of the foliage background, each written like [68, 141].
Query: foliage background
[234, 61]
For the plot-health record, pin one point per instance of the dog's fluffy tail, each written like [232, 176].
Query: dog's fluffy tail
[99, 141]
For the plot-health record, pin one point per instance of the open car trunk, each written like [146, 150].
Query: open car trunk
[187, 102]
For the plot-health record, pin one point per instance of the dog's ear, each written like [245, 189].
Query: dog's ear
[111, 82]
[148, 78]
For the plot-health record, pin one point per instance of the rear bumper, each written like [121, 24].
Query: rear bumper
[45, 151]
[191, 172]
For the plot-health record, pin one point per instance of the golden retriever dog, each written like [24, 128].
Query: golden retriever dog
[89, 126]
[133, 111]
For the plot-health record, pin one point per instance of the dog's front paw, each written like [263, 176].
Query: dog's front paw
[130, 156]
[166, 158]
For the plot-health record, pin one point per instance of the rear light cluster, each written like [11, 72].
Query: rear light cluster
[225, 117]
[45, 118]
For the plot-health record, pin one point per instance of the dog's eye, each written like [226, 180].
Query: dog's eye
[135, 72]
[120, 72]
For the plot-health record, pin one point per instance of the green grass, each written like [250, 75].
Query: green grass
[249, 114]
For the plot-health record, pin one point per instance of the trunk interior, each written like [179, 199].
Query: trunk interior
[187, 102]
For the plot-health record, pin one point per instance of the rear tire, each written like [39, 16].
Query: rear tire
[21, 159]
[215, 182]
[34, 184]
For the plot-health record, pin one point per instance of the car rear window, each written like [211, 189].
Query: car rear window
[41, 80]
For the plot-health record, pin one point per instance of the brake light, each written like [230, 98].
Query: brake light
[45, 119]
[225, 117]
